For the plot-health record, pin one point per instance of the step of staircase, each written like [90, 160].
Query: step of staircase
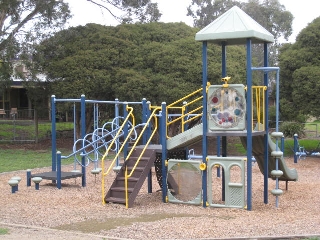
[116, 193]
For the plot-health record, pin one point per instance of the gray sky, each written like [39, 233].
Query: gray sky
[175, 11]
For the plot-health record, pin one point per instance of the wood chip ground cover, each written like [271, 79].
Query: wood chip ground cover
[76, 212]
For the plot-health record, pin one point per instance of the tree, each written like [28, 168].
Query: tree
[268, 13]
[272, 15]
[300, 71]
[204, 12]
[23, 22]
[156, 61]
[130, 11]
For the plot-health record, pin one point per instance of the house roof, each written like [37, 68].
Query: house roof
[234, 27]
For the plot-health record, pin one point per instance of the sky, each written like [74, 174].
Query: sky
[175, 11]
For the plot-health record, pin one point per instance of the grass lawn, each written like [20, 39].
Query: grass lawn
[25, 129]
[21, 159]
[309, 145]
[3, 231]
[312, 129]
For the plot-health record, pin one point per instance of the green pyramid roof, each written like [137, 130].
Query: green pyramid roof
[234, 27]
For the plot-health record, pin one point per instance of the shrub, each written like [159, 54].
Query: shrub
[290, 128]
[272, 116]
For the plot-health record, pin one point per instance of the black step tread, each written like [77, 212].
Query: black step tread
[121, 189]
[141, 159]
[116, 200]
[140, 169]
[130, 179]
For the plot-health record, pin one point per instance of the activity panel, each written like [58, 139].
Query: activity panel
[226, 107]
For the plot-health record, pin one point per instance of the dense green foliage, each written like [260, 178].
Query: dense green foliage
[157, 61]
[290, 128]
[300, 71]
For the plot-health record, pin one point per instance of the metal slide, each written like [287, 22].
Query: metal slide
[289, 174]
[186, 138]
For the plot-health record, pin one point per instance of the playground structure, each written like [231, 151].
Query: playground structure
[90, 147]
[301, 153]
[220, 111]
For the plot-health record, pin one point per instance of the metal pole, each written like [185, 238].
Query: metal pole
[224, 138]
[117, 125]
[295, 148]
[163, 117]
[204, 120]
[266, 153]
[249, 127]
[83, 133]
[53, 134]
[59, 170]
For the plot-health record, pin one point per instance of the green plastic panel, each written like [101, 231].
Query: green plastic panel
[234, 191]
[185, 179]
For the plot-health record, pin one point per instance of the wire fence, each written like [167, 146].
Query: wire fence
[18, 126]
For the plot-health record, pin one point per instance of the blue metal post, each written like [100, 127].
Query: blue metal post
[266, 153]
[204, 120]
[277, 101]
[83, 133]
[116, 109]
[163, 117]
[28, 178]
[53, 133]
[295, 148]
[59, 170]
[224, 59]
[277, 130]
[185, 127]
[224, 138]
[144, 118]
[146, 135]
[95, 126]
[148, 116]
[74, 133]
[249, 126]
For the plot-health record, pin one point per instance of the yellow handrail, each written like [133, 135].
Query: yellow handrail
[183, 108]
[258, 100]
[130, 114]
[185, 97]
[152, 116]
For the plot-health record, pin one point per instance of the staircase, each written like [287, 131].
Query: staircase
[116, 193]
